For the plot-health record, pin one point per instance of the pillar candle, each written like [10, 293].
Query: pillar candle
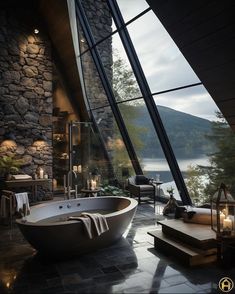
[227, 224]
[41, 173]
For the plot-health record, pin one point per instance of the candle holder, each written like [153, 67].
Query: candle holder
[223, 213]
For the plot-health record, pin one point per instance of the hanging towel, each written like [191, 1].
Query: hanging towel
[99, 222]
[22, 203]
[94, 224]
[4, 206]
[86, 224]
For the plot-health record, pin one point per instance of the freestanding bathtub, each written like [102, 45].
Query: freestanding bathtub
[48, 230]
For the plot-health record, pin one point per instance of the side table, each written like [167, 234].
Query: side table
[90, 193]
[157, 185]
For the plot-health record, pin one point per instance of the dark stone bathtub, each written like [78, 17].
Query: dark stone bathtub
[48, 230]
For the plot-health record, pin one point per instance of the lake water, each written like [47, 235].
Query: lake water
[160, 166]
[153, 166]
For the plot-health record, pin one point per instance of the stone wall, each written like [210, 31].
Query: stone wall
[100, 21]
[26, 92]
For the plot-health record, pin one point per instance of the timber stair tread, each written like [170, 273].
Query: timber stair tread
[192, 244]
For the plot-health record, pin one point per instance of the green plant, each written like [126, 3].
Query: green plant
[9, 164]
[112, 190]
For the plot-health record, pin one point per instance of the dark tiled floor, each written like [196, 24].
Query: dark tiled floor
[129, 266]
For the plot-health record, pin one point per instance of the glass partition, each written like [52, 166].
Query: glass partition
[114, 144]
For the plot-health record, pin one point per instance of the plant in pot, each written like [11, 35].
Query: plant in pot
[9, 165]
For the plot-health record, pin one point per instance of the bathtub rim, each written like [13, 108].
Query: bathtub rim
[132, 205]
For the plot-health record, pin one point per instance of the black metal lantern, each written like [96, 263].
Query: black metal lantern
[223, 213]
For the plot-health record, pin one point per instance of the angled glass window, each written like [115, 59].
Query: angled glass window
[137, 6]
[94, 89]
[164, 65]
[99, 18]
[120, 74]
[146, 143]
[185, 115]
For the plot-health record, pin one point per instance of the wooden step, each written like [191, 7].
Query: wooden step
[186, 254]
[196, 235]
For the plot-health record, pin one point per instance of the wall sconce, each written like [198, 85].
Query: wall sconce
[40, 140]
[36, 31]
[41, 137]
[9, 141]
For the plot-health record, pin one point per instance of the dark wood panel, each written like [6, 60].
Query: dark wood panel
[57, 20]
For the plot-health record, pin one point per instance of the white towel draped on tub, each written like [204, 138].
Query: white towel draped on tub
[95, 224]
[22, 203]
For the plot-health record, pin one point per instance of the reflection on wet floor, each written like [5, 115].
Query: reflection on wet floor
[131, 265]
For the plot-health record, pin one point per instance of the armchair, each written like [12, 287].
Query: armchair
[140, 186]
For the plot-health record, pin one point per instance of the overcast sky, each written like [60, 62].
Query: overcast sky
[163, 64]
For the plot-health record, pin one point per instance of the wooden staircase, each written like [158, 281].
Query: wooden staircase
[191, 244]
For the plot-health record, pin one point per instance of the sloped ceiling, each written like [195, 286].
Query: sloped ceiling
[56, 18]
[204, 31]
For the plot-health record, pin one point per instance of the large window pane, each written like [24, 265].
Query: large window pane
[131, 8]
[146, 142]
[120, 74]
[185, 115]
[162, 62]
[94, 89]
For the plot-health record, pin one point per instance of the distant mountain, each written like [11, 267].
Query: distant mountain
[187, 133]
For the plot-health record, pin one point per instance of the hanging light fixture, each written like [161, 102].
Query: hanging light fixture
[36, 31]
[9, 140]
[40, 140]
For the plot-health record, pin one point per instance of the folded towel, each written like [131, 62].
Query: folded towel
[22, 202]
[21, 177]
[94, 224]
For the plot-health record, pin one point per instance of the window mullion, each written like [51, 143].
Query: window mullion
[149, 101]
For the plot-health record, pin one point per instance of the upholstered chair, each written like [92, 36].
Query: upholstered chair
[140, 186]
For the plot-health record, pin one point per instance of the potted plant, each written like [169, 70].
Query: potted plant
[9, 165]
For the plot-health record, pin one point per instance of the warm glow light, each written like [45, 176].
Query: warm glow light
[227, 224]
[41, 173]
[39, 143]
[93, 184]
[222, 217]
[36, 31]
[8, 144]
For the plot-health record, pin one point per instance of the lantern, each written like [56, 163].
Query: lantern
[223, 213]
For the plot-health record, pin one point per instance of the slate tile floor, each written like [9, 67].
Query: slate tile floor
[131, 265]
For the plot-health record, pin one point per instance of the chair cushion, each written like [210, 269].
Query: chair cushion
[146, 188]
[141, 180]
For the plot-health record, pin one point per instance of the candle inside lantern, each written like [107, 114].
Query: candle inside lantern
[79, 168]
[222, 217]
[93, 184]
[41, 173]
[227, 224]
